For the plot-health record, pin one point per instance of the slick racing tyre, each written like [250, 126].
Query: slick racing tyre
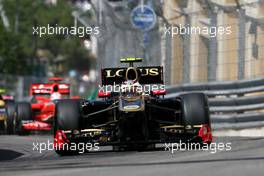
[23, 113]
[195, 109]
[67, 117]
[10, 111]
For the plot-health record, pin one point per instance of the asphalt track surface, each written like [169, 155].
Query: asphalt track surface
[246, 157]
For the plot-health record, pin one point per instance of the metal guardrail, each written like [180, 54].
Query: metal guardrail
[218, 92]
[237, 101]
[235, 91]
[239, 109]
[225, 85]
[230, 101]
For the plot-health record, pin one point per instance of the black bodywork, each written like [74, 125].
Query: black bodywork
[161, 120]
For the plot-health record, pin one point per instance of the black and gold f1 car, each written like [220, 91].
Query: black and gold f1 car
[7, 108]
[129, 117]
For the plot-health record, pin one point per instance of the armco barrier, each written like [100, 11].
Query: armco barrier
[231, 102]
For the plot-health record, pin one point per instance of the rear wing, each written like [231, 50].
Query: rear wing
[147, 75]
[48, 88]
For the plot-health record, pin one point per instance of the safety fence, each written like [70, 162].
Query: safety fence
[235, 104]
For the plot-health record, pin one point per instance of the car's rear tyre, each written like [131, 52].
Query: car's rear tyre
[67, 117]
[23, 113]
[10, 111]
[195, 109]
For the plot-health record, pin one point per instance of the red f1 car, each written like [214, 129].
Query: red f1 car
[38, 114]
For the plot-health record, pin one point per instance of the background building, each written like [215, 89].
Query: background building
[201, 58]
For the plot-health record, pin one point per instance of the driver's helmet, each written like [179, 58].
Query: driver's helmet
[130, 89]
[55, 96]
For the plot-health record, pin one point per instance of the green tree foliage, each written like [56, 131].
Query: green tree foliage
[18, 45]
[13, 58]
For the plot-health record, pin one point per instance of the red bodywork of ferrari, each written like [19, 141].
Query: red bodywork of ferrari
[42, 104]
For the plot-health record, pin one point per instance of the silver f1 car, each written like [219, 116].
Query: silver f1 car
[132, 118]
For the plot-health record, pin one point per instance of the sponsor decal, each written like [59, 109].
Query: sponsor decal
[147, 75]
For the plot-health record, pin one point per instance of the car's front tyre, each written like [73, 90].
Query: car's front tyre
[67, 117]
[195, 112]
